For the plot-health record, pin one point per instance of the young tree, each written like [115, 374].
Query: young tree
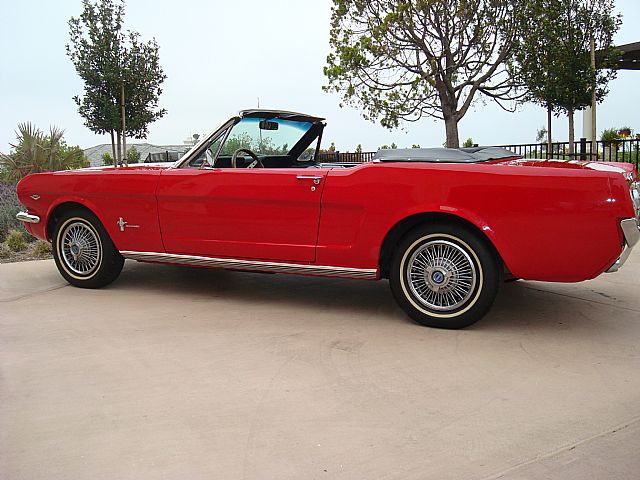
[403, 60]
[122, 75]
[553, 55]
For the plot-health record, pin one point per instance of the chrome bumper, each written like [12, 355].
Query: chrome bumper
[631, 232]
[27, 217]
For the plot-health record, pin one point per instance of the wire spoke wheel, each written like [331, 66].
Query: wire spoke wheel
[441, 275]
[80, 248]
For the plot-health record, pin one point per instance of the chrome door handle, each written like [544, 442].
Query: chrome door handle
[316, 179]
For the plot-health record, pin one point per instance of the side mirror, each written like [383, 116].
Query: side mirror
[267, 125]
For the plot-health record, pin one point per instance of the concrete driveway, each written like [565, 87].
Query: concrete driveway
[180, 373]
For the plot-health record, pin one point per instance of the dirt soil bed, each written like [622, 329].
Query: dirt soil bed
[28, 253]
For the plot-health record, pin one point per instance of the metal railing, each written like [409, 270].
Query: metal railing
[349, 157]
[614, 151]
[605, 151]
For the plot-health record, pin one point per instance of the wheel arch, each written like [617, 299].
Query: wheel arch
[60, 209]
[402, 227]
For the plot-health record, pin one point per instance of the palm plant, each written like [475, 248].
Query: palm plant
[37, 152]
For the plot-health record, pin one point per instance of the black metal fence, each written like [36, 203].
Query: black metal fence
[350, 157]
[614, 151]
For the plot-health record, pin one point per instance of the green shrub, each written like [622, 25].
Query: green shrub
[4, 250]
[15, 240]
[9, 206]
[133, 155]
[609, 136]
[36, 152]
[42, 249]
[107, 159]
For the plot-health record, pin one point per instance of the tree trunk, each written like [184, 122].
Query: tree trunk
[451, 126]
[549, 144]
[113, 147]
[119, 159]
[124, 125]
[572, 133]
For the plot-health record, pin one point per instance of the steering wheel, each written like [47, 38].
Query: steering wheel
[256, 161]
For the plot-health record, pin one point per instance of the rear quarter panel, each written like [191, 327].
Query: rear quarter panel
[547, 224]
[109, 193]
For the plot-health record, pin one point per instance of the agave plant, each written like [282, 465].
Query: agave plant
[36, 152]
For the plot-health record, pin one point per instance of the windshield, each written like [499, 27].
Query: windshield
[265, 136]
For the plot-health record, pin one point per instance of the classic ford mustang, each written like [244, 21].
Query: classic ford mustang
[445, 226]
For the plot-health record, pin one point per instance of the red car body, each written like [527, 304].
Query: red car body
[548, 220]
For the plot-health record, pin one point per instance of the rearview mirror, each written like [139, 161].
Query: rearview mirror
[267, 125]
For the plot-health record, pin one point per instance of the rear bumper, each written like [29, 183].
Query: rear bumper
[27, 217]
[631, 231]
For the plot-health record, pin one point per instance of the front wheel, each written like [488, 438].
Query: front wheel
[444, 276]
[83, 251]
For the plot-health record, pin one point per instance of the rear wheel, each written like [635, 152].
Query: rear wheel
[444, 276]
[83, 251]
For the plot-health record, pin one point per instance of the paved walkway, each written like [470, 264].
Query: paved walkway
[180, 373]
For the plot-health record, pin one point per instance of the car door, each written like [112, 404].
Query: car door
[258, 213]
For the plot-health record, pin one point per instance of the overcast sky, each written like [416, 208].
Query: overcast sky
[220, 56]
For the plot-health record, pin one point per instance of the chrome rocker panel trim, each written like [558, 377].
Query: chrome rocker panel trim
[631, 232]
[27, 217]
[252, 265]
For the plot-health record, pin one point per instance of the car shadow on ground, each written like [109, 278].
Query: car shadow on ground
[519, 305]
[366, 298]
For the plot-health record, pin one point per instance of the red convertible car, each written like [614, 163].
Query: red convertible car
[445, 226]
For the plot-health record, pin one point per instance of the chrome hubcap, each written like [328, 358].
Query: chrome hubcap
[441, 275]
[80, 248]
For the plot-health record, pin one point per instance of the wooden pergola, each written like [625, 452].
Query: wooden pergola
[630, 59]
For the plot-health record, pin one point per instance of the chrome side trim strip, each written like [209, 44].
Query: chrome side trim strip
[253, 265]
[27, 217]
[631, 231]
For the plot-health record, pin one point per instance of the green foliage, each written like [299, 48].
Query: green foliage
[415, 145]
[331, 149]
[468, 143]
[609, 136]
[552, 53]
[244, 140]
[42, 249]
[541, 135]
[107, 159]
[5, 251]
[15, 241]
[37, 152]
[359, 148]
[133, 155]
[107, 58]
[401, 60]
